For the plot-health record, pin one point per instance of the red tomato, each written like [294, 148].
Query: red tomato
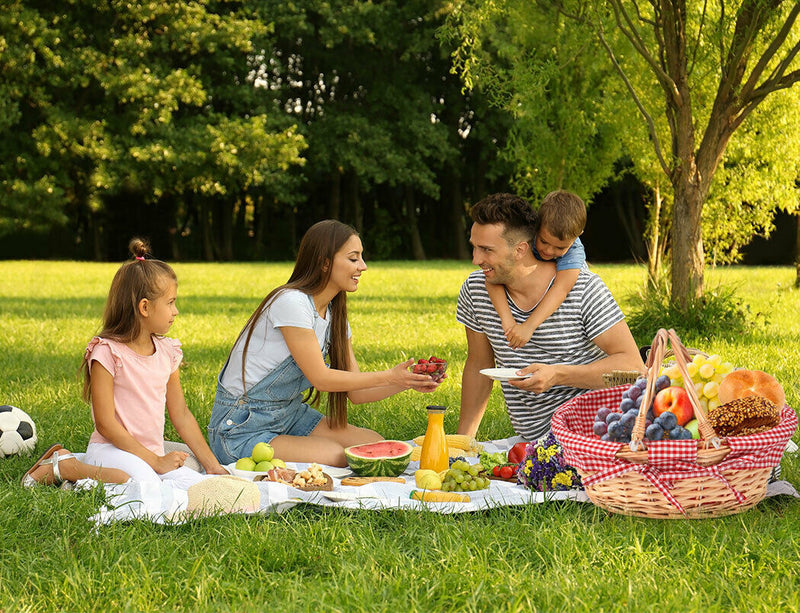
[496, 471]
[507, 472]
[517, 453]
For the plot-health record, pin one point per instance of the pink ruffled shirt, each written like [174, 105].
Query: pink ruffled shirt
[140, 386]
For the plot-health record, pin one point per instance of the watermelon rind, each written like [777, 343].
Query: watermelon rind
[381, 466]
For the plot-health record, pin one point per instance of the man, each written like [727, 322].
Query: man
[568, 353]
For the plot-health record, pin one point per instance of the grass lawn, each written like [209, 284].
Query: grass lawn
[549, 557]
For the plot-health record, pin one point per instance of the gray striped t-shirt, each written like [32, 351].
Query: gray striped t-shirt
[563, 338]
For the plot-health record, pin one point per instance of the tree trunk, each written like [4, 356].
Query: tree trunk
[688, 259]
[797, 253]
[458, 216]
[335, 201]
[417, 250]
[655, 243]
[205, 226]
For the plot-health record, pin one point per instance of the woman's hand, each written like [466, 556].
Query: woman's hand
[171, 461]
[409, 380]
[217, 469]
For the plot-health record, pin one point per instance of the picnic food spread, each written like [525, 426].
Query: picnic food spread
[665, 477]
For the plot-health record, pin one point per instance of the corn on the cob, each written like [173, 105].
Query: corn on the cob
[458, 441]
[436, 496]
[416, 453]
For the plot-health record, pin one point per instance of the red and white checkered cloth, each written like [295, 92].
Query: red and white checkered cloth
[667, 461]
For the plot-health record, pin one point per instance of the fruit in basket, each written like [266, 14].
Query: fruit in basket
[381, 459]
[675, 400]
[741, 383]
[703, 371]
[694, 428]
[433, 366]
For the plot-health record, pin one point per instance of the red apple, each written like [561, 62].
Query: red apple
[676, 400]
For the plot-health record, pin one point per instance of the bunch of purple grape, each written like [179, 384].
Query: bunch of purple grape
[616, 425]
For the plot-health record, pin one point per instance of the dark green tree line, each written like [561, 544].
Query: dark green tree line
[225, 128]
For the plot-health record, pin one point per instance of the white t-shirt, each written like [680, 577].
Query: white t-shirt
[267, 346]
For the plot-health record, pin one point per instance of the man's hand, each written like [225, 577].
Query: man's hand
[542, 378]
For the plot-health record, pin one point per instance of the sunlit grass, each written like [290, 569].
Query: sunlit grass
[549, 557]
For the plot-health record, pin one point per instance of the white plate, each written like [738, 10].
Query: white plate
[248, 474]
[503, 374]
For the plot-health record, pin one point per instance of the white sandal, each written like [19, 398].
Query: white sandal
[51, 456]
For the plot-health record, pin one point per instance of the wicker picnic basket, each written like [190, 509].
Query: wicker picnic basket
[710, 477]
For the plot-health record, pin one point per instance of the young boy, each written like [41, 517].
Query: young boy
[562, 217]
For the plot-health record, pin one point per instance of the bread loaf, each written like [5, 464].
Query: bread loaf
[741, 383]
[743, 416]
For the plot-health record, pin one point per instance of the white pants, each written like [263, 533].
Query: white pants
[109, 456]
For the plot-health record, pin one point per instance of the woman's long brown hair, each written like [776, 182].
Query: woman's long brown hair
[139, 277]
[310, 275]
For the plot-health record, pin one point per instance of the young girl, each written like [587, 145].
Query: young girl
[280, 354]
[131, 373]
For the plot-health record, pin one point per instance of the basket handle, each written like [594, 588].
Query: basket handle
[654, 360]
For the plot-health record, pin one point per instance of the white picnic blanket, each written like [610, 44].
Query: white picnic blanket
[165, 504]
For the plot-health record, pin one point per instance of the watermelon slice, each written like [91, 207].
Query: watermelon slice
[381, 459]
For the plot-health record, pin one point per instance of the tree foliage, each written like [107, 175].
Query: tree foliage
[694, 74]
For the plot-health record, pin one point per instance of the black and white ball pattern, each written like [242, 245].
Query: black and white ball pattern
[17, 431]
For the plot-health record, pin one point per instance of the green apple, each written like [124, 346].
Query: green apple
[262, 452]
[693, 427]
[245, 464]
[278, 463]
[264, 466]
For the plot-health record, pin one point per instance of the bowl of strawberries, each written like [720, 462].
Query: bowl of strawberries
[433, 366]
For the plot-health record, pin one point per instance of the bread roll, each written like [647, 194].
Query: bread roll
[748, 415]
[741, 383]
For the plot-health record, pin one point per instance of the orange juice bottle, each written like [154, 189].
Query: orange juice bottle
[434, 448]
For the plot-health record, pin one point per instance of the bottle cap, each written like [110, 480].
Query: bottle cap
[436, 408]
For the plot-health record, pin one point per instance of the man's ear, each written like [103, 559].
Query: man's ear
[520, 249]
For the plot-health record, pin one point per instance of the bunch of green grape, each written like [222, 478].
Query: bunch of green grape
[706, 373]
[463, 477]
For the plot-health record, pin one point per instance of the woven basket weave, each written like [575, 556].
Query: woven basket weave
[711, 477]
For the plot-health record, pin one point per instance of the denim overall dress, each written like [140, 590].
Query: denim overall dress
[271, 407]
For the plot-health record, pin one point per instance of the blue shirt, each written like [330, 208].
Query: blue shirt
[575, 256]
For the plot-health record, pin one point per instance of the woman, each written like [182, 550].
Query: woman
[280, 354]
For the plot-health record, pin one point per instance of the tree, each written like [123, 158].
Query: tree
[695, 72]
[748, 49]
[132, 97]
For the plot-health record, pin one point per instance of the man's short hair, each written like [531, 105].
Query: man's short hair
[513, 212]
[563, 214]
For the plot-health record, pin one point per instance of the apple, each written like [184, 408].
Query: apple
[693, 427]
[245, 464]
[676, 400]
[262, 452]
[264, 466]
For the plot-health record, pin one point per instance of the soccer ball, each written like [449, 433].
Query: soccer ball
[17, 431]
